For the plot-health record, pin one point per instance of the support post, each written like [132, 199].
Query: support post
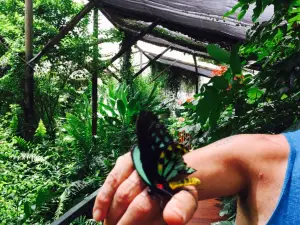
[141, 59]
[29, 82]
[95, 73]
[196, 70]
[150, 62]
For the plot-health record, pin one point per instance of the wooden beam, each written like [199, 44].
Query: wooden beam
[165, 69]
[141, 50]
[196, 70]
[71, 24]
[114, 75]
[29, 71]
[150, 62]
[113, 66]
[129, 44]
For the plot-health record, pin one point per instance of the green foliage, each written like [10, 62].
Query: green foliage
[41, 131]
[118, 113]
[84, 221]
[42, 179]
[69, 195]
[239, 102]
[218, 53]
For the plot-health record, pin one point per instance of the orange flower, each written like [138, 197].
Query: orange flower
[181, 119]
[190, 99]
[220, 71]
[229, 87]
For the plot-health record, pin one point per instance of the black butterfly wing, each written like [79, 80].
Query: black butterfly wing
[160, 155]
[148, 142]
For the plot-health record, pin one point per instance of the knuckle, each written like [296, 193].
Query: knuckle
[122, 197]
[112, 180]
[120, 160]
[103, 198]
[141, 208]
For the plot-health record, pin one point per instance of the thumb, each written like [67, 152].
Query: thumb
[181, 208]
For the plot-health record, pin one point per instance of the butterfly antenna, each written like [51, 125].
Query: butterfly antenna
[168, 193]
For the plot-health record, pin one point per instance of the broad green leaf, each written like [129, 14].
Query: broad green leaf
[284, 96]
[257, 10]
[27, 209]
[254, 94]
[137, 96]
[121, 107]
[243, 12]
[205, 105]
[132, 105]
[218, 53]
[233, 10]
[294, 19]
[107, 107]
[220, 82]
[215, 112]
[235, 60]
[124, 94]
[43, 195]
[152, 96]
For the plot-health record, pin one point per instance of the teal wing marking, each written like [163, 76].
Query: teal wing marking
[136, 158]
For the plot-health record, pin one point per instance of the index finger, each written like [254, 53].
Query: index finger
[121, 171]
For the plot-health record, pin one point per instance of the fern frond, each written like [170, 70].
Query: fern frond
[82, 220]
[98, 163]
[68, 196]
[22, 144]
[31, 157]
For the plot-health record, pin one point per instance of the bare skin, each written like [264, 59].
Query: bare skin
[252, 166]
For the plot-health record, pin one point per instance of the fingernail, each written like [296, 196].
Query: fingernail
[181, 214]
[97, 214]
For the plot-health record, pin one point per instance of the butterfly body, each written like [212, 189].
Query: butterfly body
[157, 158]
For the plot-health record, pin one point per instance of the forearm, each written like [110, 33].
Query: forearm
[218, 168]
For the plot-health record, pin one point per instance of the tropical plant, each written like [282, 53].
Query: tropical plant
[237, 101]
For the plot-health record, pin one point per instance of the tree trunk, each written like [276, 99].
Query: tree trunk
[126, 71]
[95, 73]
[29, 70]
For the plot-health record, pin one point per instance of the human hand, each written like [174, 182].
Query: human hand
[123, 200]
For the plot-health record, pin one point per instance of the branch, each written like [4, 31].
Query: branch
[55, 40]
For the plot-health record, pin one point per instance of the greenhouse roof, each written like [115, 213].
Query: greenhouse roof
[188, 27]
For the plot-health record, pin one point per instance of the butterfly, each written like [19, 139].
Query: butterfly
[158, 159]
